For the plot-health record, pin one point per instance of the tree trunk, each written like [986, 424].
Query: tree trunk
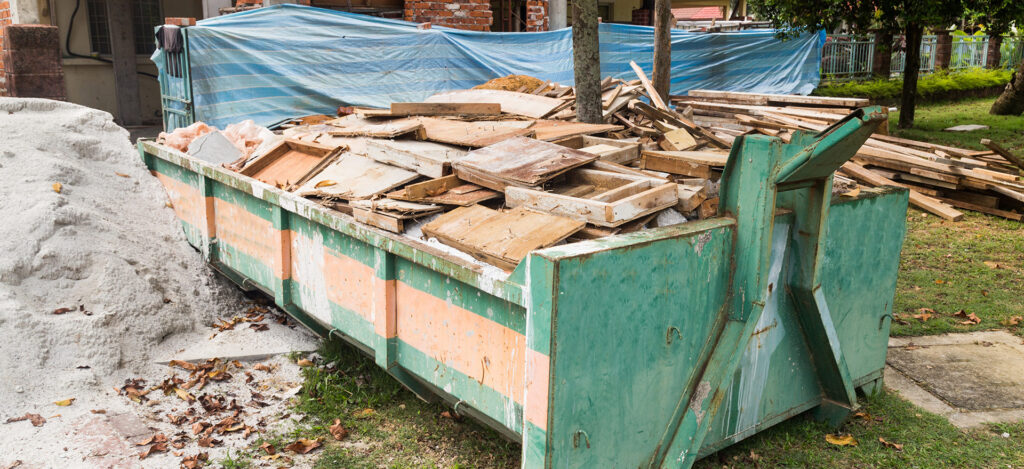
[586, 61]
[1011, 102]
[663, 20]
[911, 69]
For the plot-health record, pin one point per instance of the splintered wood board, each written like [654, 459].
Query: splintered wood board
[396, 208]
[687, 163]
[627, 153]
[608, 199]
[356, 177]
[448, 190]
[523, 104]
[290, 163]
[432, 109]
[550, 130]
[500, 238]
[473, 134]
[430, 159]
[351, 126]
[519, 161]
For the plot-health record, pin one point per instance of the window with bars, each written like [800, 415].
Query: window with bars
[146, 15]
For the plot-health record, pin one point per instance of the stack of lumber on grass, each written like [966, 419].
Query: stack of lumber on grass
[943, 180]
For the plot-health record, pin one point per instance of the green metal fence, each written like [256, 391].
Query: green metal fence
[1011, 51]
[849, 57]
[968, 52]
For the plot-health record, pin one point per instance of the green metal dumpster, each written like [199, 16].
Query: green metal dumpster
[649, 349]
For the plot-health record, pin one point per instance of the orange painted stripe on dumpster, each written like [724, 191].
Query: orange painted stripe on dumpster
[186, 201]
[484, 350]
[537, 369]
[248, 233]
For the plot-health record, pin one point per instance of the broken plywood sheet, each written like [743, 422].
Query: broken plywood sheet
[628, 151]
[500, 238]
[290, 163]
[389, 214]
[520, 161]
[523, 104]
[449, 190]
[550, 130]
[430, 159]
[355, 177]
[352, 126]
[473, 134]
[598, 197]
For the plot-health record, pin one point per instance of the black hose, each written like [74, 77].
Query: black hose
[67, 43]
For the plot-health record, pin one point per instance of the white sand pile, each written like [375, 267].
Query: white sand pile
[105, 246]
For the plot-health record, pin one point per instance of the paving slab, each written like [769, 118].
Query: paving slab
[970, 378]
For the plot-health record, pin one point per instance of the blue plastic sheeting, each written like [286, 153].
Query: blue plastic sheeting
[285, 61]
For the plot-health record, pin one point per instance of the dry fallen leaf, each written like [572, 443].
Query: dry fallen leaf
[57, 187]
[62, 310]
[853, 193]
[362, 414]
[939, 281]
[971, 318]
[325, 183]
[209, 442]
[268, 448]
[992, 265]
[303, 445]
[98, 411]
[159, 447]
[184, 395]
[36, 419]
[304, 362]
[195, 461]
[924, 317]
[65, 402]
[337, 431]
[121, 174]
[889, 444]
[1013, 320]
[841, 440]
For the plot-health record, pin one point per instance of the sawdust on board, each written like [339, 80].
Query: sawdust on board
[512, 83]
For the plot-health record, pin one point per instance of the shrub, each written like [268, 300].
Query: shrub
[938, 84]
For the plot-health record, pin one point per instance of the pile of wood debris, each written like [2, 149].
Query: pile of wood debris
[498, 173]
[940, 178]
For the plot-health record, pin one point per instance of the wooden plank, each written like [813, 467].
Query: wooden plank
[445, 109]
[651, 92]
[472, 134]
[919, 200]
[511, 102]
[430, 159]
[680, 121]
[500, 238]
[784, 98]
[352, 126]
[290, 163]
[677, 140]
[687, 163]
[987, 210]
[609, 208]
[396, 208]
[550, 130]
[1007, 154]
[519, 161]
[628, 151]
[690, 197]
[379, 220]
[462, 195]
[1018, 196]
[354, 177]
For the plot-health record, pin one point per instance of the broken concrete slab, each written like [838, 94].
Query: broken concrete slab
[241, 343]
[970, 378]
[965, 128]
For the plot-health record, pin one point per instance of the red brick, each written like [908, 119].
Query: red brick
[180, 21]
[50, 85]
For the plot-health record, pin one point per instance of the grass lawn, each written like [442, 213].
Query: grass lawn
[976, 265]
[930, 119]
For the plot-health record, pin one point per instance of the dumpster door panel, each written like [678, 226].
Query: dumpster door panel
[630, 326]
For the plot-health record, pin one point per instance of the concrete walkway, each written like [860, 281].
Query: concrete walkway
[971, 379]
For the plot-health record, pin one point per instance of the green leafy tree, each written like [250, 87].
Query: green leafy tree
[906, 17]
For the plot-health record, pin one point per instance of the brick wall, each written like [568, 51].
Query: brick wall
[536, 15]
[5, 19]
[32, 61]
[474, 15]
[642, 17]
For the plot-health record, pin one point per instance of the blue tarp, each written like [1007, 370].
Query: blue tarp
[285, 61]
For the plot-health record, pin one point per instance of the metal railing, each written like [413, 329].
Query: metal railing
[847, 57]
[899, 55]
[1011, 51]
[968, 52]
